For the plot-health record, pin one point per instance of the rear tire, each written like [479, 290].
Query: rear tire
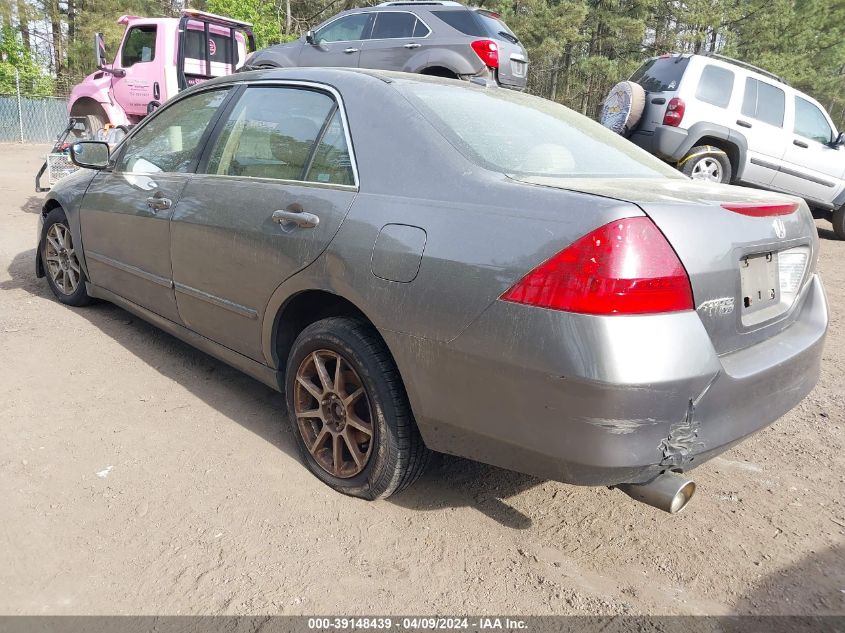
[838, 222]
[707, 163]
[366, 446]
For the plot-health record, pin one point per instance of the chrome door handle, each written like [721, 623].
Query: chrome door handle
[302, 219]
[159, 203]
[412, 45]
[351, 50]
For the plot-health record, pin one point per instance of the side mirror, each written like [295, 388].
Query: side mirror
[839, 141]
[100, 50]
[90, 154]
[309, 37]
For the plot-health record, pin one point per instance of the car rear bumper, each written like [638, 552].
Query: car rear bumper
[603, 400]
[669, 143]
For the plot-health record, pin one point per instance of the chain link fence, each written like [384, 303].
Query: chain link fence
[31, 119]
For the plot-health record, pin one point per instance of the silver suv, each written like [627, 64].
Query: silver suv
[719, 119]
[445, 39]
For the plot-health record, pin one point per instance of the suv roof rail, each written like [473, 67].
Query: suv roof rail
[405, 3]
[747, 66]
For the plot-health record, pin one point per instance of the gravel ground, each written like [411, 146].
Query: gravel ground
[140, 476]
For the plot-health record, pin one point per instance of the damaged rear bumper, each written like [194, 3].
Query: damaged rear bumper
[603, 400]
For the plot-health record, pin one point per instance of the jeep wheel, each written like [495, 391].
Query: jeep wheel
[707, 163]
[838, 222]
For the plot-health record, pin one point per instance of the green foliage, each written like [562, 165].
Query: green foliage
[266, 23]
[14, 57]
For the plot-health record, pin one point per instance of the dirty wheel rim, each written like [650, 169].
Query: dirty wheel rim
[333, 413]
[60, 258]
[708, 169]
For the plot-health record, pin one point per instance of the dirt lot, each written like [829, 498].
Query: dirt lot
[140, 476]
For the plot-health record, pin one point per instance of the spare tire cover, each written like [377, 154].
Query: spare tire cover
[623, 107]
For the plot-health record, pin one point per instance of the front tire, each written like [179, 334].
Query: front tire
[838, 222]
[61, 264]
[707, 163]
[348, 410]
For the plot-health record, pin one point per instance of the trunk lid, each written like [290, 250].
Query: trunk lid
[748, 274]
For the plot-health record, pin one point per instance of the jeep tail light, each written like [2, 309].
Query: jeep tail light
[488, 51]
[757, 210]
[625, 267]
[674, 112]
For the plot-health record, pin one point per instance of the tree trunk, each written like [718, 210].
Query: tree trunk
[23, 23]
[287, 17]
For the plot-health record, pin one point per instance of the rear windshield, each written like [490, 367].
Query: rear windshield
[477, 24]
[661, 74]
[521, 135]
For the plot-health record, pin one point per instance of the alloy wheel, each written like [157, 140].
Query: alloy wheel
[60, 258]
[333, 413]
[708, 169]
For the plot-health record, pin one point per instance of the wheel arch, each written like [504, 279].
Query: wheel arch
[438, 70]
[729, 141]
[88, 105]
[49, 205]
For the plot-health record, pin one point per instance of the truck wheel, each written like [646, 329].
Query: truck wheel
[707, 163]
[838, 222]
[349, 412]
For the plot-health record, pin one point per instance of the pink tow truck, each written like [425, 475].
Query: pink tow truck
[156, 59]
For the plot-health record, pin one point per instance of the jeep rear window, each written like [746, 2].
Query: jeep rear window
[715, 86]
[521, 135]
[661, 74]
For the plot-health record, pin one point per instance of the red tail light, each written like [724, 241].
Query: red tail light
[488, 51]
[674, 112]
[625, 267]
[757, 210]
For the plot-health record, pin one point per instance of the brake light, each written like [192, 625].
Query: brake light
[488, 51]
[757, 210]
[625, 267]
[674, 112]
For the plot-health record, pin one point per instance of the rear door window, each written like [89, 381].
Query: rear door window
[661, 74]
[393, 25]
[283, 134]
[139, 46]
[764, 102]
[810, 122]
[715, 86]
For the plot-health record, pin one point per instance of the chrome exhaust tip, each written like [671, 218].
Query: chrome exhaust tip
[668, 492]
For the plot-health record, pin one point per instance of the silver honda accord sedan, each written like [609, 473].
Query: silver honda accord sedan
[426, 265]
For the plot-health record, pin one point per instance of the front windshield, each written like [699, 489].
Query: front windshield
[521, 135]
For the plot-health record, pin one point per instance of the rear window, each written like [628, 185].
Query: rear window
[463, 21]
[219, 46]
[478, 23]
[715, 86]
[515, 133]
[661, 74]
[763, 102]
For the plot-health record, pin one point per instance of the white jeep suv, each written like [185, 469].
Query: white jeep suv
[719, 119]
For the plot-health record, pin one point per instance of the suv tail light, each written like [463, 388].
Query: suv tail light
[625, 267]
[674, 112]
[488, 51]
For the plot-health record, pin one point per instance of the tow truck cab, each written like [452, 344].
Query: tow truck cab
[156, 59]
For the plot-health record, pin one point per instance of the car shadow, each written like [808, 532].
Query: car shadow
[827, 234]
[450, 482]
[815, 586]
[33, 204]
